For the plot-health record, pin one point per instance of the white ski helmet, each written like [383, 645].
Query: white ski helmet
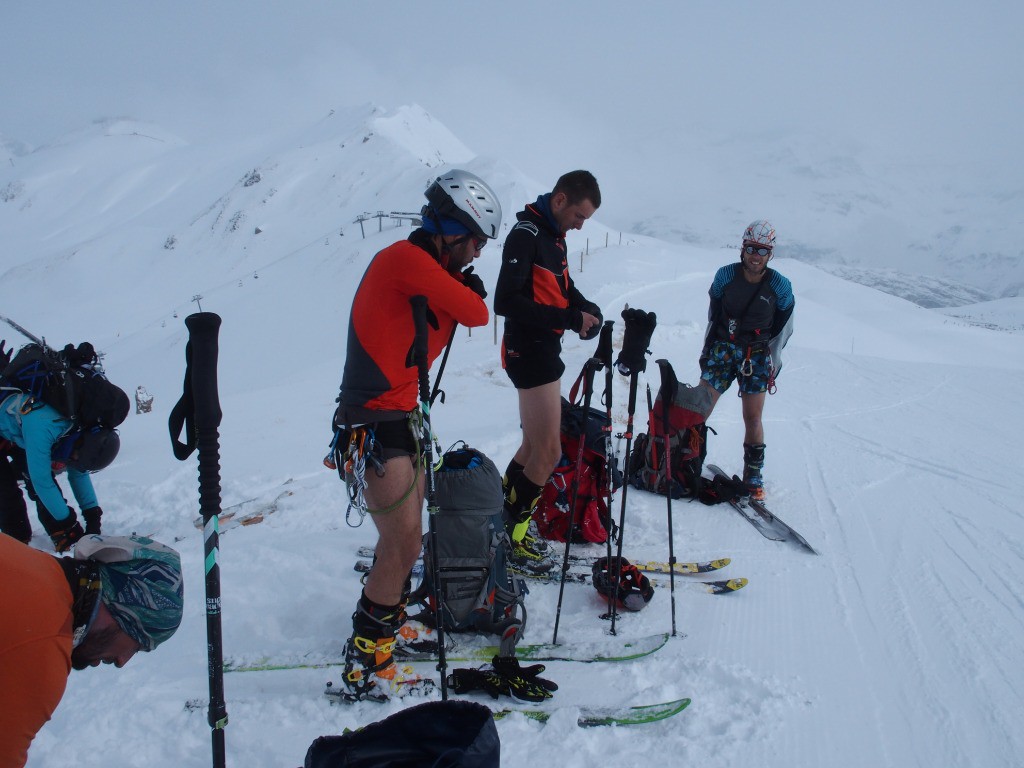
[760, 232]
[462, 196]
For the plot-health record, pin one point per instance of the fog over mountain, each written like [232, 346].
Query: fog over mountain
[875, 137]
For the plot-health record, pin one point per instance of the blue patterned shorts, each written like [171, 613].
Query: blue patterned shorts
[725, 362]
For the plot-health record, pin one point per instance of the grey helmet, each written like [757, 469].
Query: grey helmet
[462, 196]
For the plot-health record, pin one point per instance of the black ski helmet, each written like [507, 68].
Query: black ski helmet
[463, 196]
[635, 589]
[95, 449]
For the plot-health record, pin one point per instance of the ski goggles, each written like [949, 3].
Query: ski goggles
[761, 250]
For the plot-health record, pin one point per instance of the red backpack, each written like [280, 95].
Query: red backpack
[686, 442]
[593, 518]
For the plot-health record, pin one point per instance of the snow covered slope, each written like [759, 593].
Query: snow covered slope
[892, 447]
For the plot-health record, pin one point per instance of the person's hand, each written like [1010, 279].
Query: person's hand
[66, 533]
[5, 355]
[590, 326]
[591, 308]
[474, 283]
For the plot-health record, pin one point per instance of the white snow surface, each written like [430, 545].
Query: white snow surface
[892, 447]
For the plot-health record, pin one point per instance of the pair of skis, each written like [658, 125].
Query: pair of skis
[716, 587]
[604, 650]
[764, 520]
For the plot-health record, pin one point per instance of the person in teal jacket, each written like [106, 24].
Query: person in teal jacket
[36, 444]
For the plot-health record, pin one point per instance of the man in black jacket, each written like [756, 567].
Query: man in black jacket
[539, 302]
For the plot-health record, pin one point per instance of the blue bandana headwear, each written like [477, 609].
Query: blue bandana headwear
[448, 226]
[141, 585]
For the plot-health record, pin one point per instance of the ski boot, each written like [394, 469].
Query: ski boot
[371, 673]
[753, 462]
[529, 555]
[526, 553]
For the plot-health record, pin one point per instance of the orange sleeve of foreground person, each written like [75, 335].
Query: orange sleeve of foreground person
[35, 645]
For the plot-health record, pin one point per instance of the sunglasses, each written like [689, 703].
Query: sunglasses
[478, 242]
[760, 250]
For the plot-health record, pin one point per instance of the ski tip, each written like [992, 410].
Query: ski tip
[725, 587]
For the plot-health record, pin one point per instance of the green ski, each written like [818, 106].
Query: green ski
[589, 717]
[599, 650]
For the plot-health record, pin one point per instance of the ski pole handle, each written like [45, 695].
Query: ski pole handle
[203, 328]
[604, 344]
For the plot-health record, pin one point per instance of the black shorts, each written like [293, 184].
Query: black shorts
[531, 363]
[391, 438]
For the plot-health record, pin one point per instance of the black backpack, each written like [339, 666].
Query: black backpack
[479, 591]
[437, 734]
[72, 381]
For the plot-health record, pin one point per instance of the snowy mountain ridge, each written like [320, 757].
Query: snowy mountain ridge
[313, 176]
[891, 448]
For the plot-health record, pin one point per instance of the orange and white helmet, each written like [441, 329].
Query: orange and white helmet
[760, 232]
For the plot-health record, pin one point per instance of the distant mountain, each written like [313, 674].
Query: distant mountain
[892, 223]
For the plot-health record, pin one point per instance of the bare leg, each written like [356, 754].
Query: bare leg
[540, 411]
[400, 530]
[753, 406]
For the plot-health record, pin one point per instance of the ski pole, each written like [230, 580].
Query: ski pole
[589, 368]
[631, 361]
[444, 361]
[419, 317]
[633, 376]
[604, 354]
[199, 409]
[23, 332]
[668, 388]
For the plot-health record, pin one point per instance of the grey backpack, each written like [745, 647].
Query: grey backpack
[478, 591]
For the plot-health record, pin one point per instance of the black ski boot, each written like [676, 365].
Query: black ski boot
[753, 463]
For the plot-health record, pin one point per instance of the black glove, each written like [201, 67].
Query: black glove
[722, 489]
[65, 533]
[635, 340]
[467, 680]
[5, 355]
[474, 283]
[506, 678]
[92, 520]
[525, 683]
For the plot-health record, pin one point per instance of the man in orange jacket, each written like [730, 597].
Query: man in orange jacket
[376, 427]
[117, 596]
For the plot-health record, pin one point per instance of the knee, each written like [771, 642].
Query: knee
[549, 453]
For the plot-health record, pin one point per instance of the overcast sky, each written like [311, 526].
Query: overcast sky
[614, 87]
